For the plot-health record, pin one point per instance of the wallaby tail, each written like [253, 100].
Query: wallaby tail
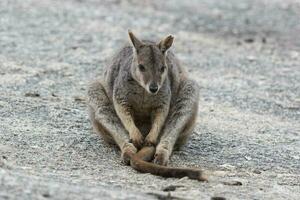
[139, 162]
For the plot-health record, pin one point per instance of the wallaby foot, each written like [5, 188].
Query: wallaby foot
[127, 151]
[162, 156]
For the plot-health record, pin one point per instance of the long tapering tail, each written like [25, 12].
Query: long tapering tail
[140, 162]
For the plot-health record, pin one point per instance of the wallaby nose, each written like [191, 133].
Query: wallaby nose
[153, 87]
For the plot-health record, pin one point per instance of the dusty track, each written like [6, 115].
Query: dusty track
[244, 54]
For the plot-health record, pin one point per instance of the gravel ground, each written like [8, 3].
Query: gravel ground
[244, 53]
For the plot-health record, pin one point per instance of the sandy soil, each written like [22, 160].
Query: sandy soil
[245, 54]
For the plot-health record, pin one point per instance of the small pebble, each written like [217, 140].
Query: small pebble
[249, 40]
[32, 94]
[218, 198]
[251, 58]
[233, 183]
[79, 98]
[172, 188]
[256, 171]
[46, 195]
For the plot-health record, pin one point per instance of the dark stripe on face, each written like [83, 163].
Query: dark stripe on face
[151, 54]
[154, 57]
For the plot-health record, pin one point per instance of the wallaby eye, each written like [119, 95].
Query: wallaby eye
[162, 69]
[142, 68]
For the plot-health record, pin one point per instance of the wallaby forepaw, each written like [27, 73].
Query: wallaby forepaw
[161, 157]
[137, 140]
[128, 150]
[150, 141]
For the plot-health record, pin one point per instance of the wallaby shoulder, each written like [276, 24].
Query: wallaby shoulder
[122, 59]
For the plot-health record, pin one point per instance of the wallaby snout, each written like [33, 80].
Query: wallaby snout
[153, 88]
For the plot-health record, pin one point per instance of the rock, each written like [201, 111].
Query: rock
[32, 94]
[218, 198]
[256, 171]
[171, 188]
[249, 40]
[233, 183]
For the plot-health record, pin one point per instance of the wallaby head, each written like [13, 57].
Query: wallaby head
[149, 67]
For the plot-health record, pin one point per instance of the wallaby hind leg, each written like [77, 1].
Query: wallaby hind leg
[187, 131]
[99, 129]
[106, 122]
[180, 121]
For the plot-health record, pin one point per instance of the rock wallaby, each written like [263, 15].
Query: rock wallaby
[146, 105]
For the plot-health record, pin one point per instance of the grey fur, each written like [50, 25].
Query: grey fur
[123, 110]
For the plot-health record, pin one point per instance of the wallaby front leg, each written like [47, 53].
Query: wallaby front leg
[124, 113]
[159, 118]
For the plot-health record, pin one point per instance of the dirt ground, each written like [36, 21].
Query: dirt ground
[245, 55]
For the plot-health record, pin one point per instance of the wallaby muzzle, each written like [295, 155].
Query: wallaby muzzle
[153, 88]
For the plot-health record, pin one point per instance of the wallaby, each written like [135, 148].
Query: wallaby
[146, 102]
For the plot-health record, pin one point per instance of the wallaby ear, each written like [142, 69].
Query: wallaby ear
[134, 40]
[166, 43]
